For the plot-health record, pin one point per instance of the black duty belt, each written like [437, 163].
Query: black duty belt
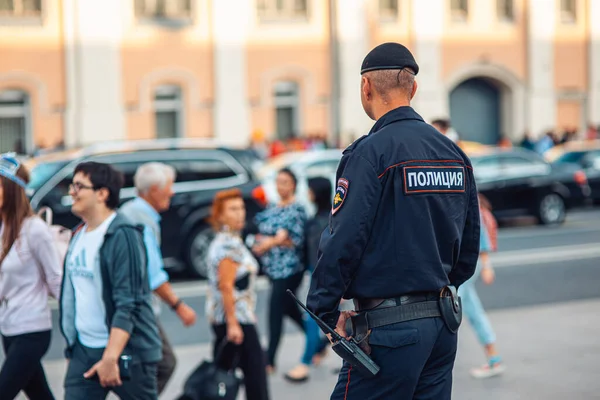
[370, 304]
[392, 311]
[375, 313]
[396, 314]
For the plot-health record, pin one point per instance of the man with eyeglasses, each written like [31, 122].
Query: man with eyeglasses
[106, 315]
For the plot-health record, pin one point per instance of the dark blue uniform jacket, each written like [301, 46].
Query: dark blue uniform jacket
[404, 219]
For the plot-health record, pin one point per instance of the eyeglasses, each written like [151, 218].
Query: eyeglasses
[77, 186]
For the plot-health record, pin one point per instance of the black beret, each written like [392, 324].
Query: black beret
[389, 56]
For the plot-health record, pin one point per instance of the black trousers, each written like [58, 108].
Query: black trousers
[251, 360]
[280, 305]
[141, 386]
[416, 360]
[22, 368]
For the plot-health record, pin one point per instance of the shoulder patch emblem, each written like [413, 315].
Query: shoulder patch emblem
[340, 195]
[434, 179]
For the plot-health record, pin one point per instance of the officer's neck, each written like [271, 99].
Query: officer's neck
[381, 107]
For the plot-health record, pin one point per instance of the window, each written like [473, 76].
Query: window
[505, 10]
[168, 108]
[486, 168]
[571, 157]
[593, 160]
[286, 109]
[20, 8]
[568, 11]
[388, 9]
[282, 9]
[201, 170]
[324, 169]
[59, 194]
[459, 9]
[41, 173]
[163, 9]
[128, 170]
[515, 167]
[14, 121]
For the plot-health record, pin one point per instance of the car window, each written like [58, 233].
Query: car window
[60, 192]
[248, 158]
[128, 170]
[62, 189]
[594, 159]
[201, 170]
[42, 172]
[485, 168]
[518, 166]
[191, 166]
[571, 157]
[322, 168]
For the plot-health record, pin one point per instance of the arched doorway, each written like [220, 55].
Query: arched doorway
[476, 110]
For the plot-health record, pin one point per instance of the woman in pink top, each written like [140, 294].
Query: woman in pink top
[29, 270]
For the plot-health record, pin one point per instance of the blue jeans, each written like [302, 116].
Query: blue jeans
[141, 386]
[473, 310]
[313, 339]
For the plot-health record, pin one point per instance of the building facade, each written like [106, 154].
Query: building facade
[78, 71]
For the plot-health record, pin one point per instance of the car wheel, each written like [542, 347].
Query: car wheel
[551, 209]
[197, 248]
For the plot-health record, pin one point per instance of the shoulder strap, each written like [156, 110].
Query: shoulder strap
[25, 231]
[49, 214]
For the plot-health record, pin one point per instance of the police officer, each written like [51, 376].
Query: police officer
[403, 233]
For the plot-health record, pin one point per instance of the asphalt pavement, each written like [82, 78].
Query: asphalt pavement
[536, 266]
[550, 352]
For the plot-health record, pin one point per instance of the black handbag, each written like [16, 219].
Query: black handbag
[209, 382]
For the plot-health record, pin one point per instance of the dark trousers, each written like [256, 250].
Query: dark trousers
[250, 357]
[166, 366]
[280, 305]
[22, 368]
[416, 360]
[142, 385]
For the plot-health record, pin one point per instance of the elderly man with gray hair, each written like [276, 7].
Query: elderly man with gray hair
[154, 184]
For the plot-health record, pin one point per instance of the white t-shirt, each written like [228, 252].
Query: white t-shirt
[83, 265]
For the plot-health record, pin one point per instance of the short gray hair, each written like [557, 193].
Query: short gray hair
[153, 173]
[389, 80]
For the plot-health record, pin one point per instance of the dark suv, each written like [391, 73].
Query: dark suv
[203, 168]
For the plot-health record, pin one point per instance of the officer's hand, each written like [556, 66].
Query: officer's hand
[340, 327]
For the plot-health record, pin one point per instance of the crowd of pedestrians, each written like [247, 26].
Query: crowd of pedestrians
[110, 280]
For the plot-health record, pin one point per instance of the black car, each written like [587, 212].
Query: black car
[203, 168]
[520, 182]
[587, 160]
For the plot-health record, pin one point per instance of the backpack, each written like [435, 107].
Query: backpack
[491, 226]
[60, 234]
[61, 238]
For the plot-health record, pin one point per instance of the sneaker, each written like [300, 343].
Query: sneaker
[493, 368]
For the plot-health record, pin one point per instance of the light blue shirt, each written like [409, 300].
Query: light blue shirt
[139, 211]
[485, 244]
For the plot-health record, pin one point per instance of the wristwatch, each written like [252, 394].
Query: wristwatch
[175, 306]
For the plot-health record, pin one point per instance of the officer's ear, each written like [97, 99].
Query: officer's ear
[414, 90]
[366, 88]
